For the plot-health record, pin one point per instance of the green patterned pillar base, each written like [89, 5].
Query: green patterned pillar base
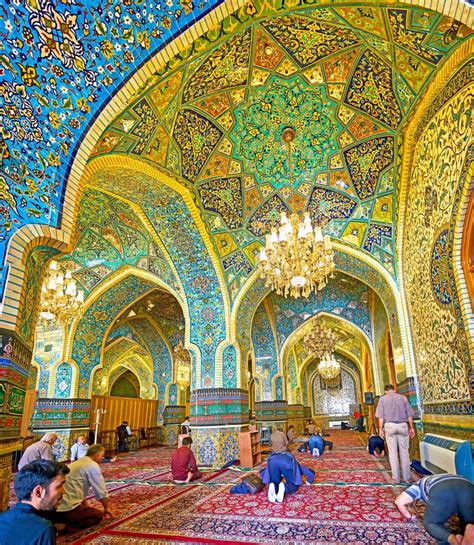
[271, 413]
[217, 417]
[68, 418]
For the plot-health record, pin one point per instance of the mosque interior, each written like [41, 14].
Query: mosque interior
[141, 150]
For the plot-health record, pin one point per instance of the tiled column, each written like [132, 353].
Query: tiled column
[173, 416]
[218, 415]
[15, 360]
[68, 418]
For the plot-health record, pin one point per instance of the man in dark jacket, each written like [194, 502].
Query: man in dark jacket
[39, 487]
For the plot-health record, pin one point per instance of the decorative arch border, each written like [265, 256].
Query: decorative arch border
[450, 67]
[110, 282]
[289, 342]
[403, 356]
[126, 364]
[132, 345]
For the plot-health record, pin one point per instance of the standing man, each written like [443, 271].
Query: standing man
[395, 418]
[85, 474]
[39, 487]
[41, 450]
[185, 428]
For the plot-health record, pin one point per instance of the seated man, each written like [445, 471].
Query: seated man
[291, 434]
[183, 464]
[284, 465]
[376, 446]
[445, 495]
[278, 440]
[79, 448]
[310, 427]
[41, 450]
[85, 475]
[39, 487]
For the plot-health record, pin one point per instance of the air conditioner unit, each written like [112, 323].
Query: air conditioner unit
[440, 454]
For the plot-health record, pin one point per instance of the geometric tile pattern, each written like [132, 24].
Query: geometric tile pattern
[338, 80]
[46, 105]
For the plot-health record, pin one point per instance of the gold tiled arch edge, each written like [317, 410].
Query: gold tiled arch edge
[288, 345]
[454, 62]
[122, 161]
[33, 235]
[406, 359]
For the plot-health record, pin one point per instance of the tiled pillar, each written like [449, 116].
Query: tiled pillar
[15, 360]
[68, 418]
[218, 415]
[173, 416]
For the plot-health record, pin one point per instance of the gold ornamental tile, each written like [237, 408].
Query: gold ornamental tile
[286, 68]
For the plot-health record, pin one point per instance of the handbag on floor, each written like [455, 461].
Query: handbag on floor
[253, 483]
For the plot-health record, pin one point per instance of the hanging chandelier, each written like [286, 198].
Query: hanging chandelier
[320, 340]
[183, 364]
[60, 298]
[329, 368]
[297, 259]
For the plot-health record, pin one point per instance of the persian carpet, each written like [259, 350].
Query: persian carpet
[351, 502]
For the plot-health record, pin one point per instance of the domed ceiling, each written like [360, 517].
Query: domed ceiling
[342, 79]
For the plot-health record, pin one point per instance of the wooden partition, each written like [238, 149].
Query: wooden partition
[137, 412]
[28, 410]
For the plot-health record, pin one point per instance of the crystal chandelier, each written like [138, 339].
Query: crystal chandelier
[320, 340]
[60, 298]
[329, 367]
[297, 259]
[183, 364]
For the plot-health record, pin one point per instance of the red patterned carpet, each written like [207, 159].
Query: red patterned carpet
[350, 502]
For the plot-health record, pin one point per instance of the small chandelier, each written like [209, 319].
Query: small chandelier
[320, 340]
[183, 364]
[60, 298]
[297, 259]
[329, 368]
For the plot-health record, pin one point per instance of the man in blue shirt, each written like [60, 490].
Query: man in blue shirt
[39, 486]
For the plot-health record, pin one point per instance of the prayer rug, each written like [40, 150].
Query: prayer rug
[315, 514]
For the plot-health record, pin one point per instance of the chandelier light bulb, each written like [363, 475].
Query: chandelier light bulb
[297, 258]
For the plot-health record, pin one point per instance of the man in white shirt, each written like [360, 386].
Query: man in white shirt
[84, 475]
[79, 449]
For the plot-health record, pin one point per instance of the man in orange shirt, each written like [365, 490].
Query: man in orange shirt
[183, 464]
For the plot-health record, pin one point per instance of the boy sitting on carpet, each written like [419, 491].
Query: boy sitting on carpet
[183, 464]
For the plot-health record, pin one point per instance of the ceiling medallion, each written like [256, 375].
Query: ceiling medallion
[297, 259]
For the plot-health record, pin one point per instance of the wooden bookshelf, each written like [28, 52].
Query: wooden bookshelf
[249, 445]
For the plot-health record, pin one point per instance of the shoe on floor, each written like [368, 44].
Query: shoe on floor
[271, 493]
[315, 452]
[281, 493]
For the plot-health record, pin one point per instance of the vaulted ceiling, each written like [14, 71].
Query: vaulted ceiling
[345, 79]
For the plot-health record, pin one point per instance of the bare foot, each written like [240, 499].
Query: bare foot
[468, 538]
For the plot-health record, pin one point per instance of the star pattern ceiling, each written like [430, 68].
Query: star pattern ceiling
[344, 78]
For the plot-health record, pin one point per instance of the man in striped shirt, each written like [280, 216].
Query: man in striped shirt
[445, 495]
